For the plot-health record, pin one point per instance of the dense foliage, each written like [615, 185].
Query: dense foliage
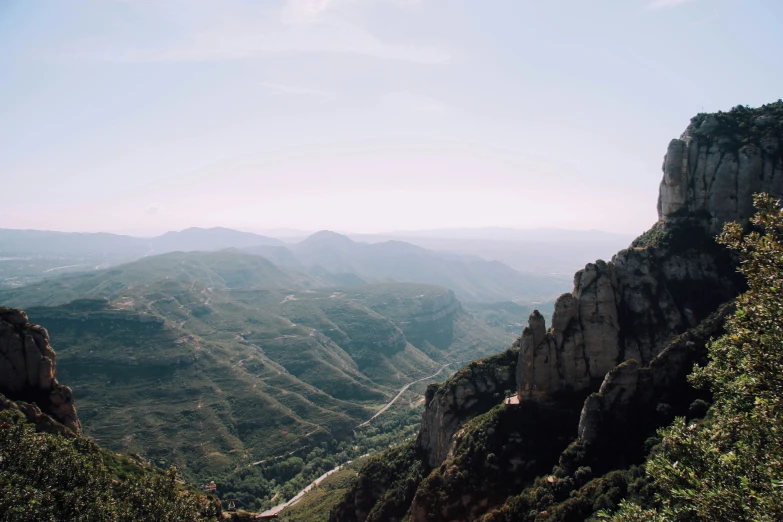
[559, 498]
[730, 467]
[398, 472]
[47, 477]
[741, 125]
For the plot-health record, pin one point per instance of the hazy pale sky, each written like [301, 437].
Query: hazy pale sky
[362, 115]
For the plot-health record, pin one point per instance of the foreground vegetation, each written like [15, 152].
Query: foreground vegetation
[46, 477]
[730, 467]
[316, 504]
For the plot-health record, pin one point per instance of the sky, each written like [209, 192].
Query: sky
[142, 116]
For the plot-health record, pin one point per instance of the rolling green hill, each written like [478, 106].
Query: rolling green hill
[213, 361]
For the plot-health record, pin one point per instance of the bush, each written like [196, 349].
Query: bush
[47, 477]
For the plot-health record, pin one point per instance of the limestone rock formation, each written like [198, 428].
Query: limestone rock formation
[711, 174]
[435, 323]
[631, 396]
[629, 308]
[675, 275]
[27, 370]
[472, 390]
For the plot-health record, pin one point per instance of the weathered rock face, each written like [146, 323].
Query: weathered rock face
[634, 401]
[633, 306]
[629, 308]
[27, 369]
[473, 390]
[713, 170]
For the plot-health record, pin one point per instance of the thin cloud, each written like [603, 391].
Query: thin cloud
[279, 88]
[298, 26]
[409, 102]
[662, 4]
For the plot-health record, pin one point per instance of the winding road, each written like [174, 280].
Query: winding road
[298, 496]
[403, 390]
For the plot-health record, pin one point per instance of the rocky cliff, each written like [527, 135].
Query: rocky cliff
[628, 308]
[434, 324]
[634, 399]
[674, 276]
[719, 162]
[28, 373]
[612, 367]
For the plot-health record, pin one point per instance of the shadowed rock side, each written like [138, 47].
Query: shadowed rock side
[387, 484]
[28, 374]
[629, 308]
[634, 400]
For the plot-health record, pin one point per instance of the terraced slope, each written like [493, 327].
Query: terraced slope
[212, 361]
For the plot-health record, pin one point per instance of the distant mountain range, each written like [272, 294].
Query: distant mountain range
[541, 250]
[330, 258]
[541, 235]
[44, 242]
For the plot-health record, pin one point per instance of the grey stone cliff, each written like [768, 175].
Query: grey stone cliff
[633, 306]
[706, 175]
[634, 400]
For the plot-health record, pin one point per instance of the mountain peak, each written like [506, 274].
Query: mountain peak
[216, 238]
[327, 238]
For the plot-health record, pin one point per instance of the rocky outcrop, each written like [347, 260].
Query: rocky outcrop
[33, 414]
[27, 370]
[628, 308]
[674, 276]
[634, 399]
[624, 339]
[473, 390]
[434, 322]
[718, 163]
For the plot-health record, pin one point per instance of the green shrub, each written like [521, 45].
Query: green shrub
[47, 477]
[730, 467]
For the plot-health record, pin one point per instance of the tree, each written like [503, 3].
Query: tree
[730, 466]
